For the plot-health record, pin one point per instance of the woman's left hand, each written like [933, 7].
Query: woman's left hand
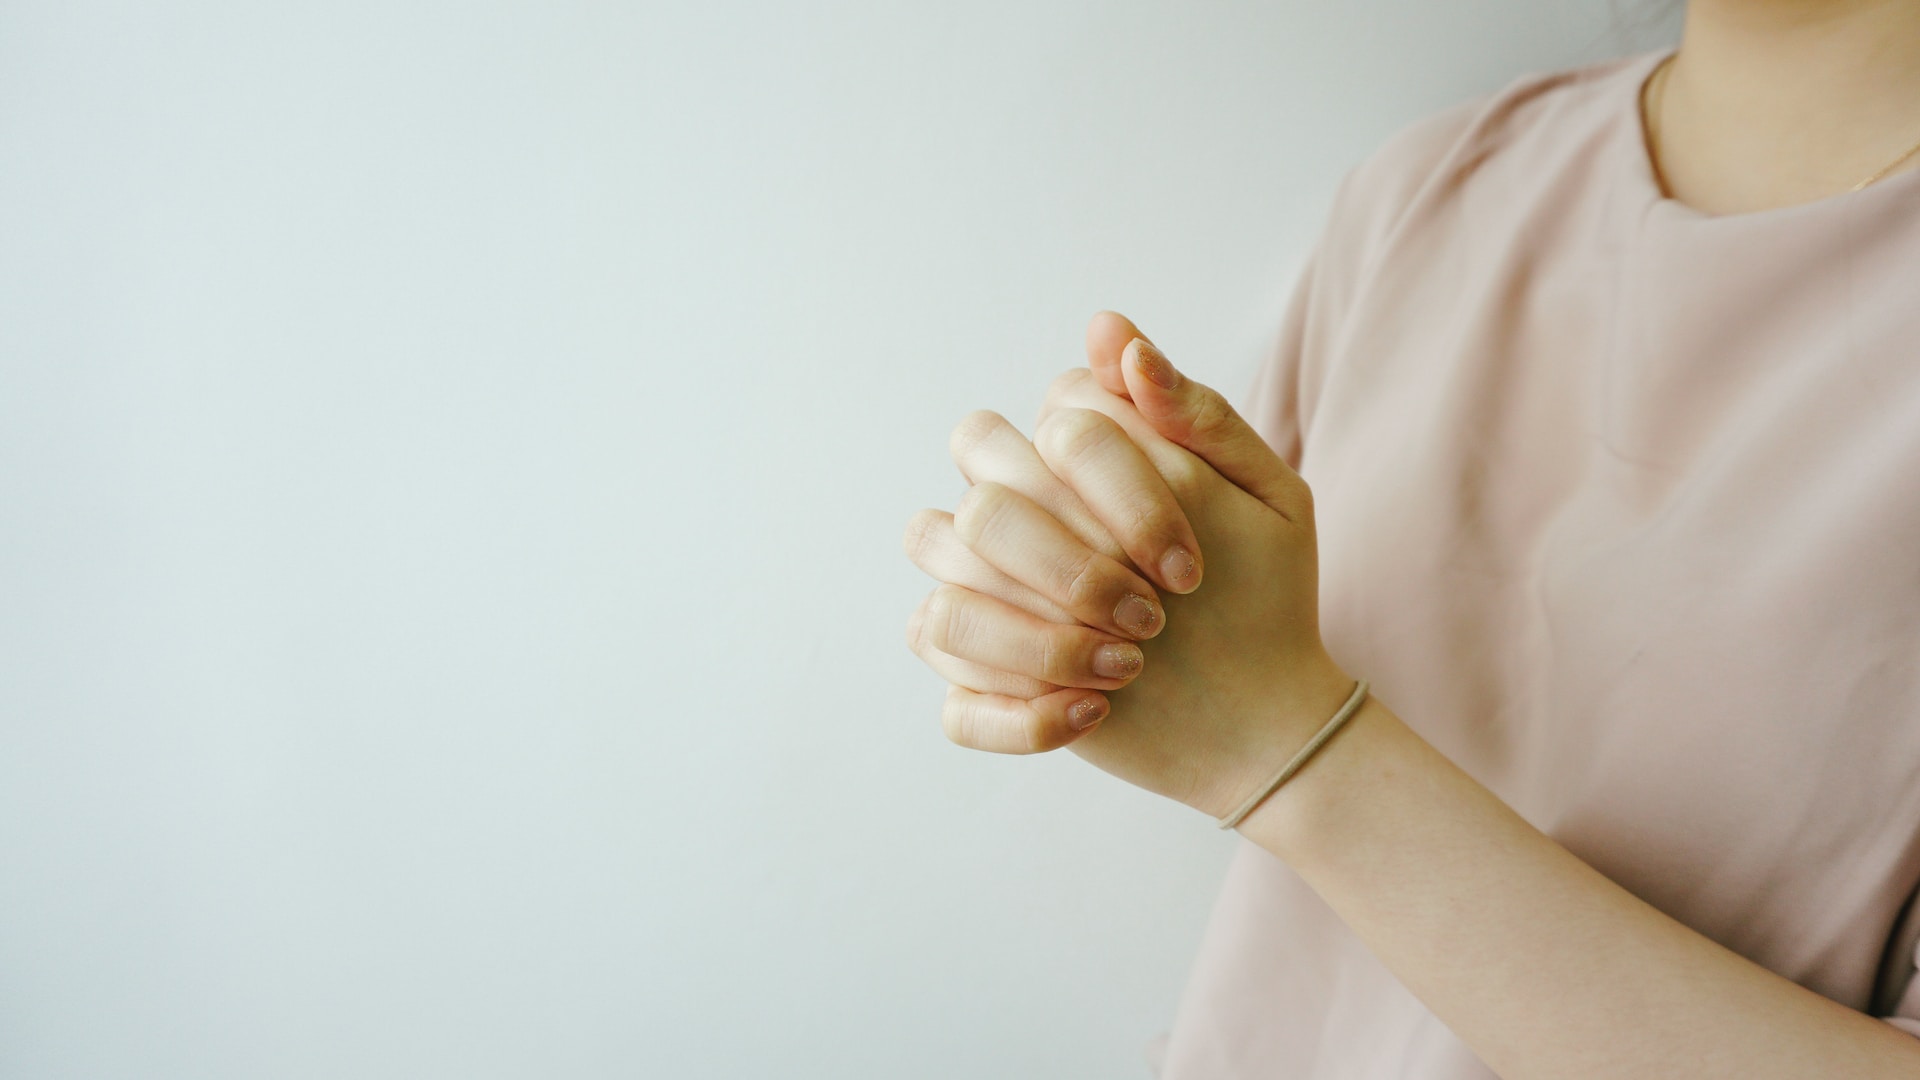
[1238, 679]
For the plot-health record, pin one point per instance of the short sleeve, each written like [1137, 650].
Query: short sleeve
[1371, 198]
[1273, 401]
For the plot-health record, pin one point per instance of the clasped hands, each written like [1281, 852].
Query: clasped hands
[1139, 583]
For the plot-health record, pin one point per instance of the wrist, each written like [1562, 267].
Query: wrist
[1313, 813]
[1275, 726]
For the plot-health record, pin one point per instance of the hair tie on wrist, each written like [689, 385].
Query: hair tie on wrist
[1286, 772]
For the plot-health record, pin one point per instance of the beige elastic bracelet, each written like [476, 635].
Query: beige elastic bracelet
[1286, 773]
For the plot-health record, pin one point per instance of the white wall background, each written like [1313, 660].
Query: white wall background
[452, 466]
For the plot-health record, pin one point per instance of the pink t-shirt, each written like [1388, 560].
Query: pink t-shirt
[1619, 507]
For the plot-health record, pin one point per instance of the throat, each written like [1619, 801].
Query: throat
[1771, 104]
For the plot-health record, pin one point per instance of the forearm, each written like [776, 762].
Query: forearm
[1545, 967]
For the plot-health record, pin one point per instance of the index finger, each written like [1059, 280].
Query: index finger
[986, 447]
[1076, 388]
[1108, 334]
[1111, 474]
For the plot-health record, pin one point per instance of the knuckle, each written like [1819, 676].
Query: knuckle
[973, 429]
[1073, 435]
[1086, 583]
[1058, 660]
[966, 721]
[1211, 413]
[1145, 518]
[1066, 387]
[944, 621]
[1096, 534]
[1034, 727]
[922, 535]
[955, 722]
[977, 509]
[1183, 473]
[1302, 501]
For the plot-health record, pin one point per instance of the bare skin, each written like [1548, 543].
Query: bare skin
[1772, 103]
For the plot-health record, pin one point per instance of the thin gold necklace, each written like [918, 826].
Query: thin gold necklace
[1658, 92]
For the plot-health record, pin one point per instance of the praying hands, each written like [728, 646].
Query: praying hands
[1073, 610]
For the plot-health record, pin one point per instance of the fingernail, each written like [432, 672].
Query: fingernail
[1117, 661]
[1155, 365]
[1179, 569]
[1137, 615]
[1086, 712]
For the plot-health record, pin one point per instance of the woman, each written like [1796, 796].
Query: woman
[1592, 445]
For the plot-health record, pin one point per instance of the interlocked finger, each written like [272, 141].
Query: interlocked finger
[1110, 473]
[1008, 725]
[933, 546]
[987, 448]
[995, 634]
[1015, 535]
[966, 673]
[1077, 389]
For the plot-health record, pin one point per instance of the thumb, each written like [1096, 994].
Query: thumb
[1198, 418]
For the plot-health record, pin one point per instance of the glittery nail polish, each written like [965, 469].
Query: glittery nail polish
[1137, 615]
[1179, 568]
[1156, 365]
[1117, 661]
[1086, 712]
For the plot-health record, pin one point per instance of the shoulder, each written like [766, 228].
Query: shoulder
[1536, 121]
[1535, 116]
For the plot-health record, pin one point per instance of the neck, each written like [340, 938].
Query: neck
[1775, 102]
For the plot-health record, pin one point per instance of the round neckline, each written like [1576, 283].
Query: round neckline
[1657, 202]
